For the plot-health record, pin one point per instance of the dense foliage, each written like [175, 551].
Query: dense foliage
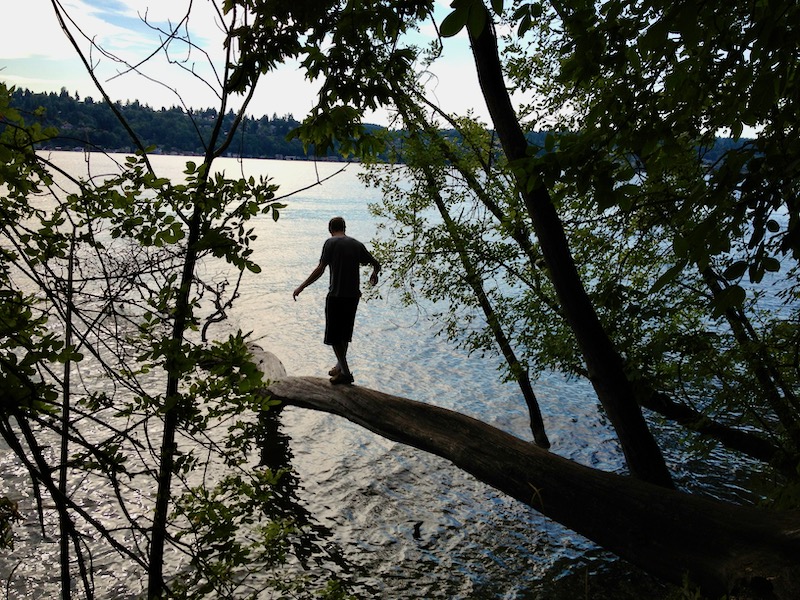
[93, 283]
[110, 379]
[685, 247]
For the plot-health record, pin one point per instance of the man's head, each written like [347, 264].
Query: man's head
[336, 224]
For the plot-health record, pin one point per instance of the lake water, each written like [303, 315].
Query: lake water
[406, 524]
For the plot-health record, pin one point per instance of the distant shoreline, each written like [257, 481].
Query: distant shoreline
[292, 158]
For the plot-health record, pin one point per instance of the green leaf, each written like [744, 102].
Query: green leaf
[756, 272]
[524, 25]
[171, 235]
[669, 275]
[772, 264]
[454, 22]
[680, 245]
[476, 19]
[731, 297]
[735, 271]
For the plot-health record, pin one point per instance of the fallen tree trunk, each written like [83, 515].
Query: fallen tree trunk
[722, 548]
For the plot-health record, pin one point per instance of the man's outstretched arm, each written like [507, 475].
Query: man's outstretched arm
[315, 274]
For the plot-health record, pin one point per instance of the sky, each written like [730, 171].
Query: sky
[35, 54]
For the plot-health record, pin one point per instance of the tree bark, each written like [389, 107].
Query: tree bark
[722, 548]
[603, 362]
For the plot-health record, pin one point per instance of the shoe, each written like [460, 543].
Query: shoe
[341, 378]
[335, 371]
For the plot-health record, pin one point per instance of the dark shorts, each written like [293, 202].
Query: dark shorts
[340, 316]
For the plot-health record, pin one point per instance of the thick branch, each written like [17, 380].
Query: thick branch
[746, 442]
[722, 547]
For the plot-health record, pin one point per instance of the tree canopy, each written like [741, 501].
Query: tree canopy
[689, 265]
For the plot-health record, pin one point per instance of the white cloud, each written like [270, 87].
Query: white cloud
[34, 53]
[31, 30]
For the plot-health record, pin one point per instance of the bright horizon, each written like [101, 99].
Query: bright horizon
[35, 54]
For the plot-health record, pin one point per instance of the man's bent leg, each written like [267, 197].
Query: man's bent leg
[340, 350]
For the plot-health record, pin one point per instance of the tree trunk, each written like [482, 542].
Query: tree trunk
[603, 362]
[475, 281]
[721, 547]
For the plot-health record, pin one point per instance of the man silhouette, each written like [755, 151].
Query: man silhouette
[344, 255]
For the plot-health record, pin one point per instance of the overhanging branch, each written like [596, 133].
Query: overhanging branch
[721, 547]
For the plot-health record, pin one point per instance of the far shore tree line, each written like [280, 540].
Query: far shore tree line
[87, 124]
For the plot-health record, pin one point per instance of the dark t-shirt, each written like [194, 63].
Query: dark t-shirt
[344, 255]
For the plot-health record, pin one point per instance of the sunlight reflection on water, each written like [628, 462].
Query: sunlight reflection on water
[408, 524]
